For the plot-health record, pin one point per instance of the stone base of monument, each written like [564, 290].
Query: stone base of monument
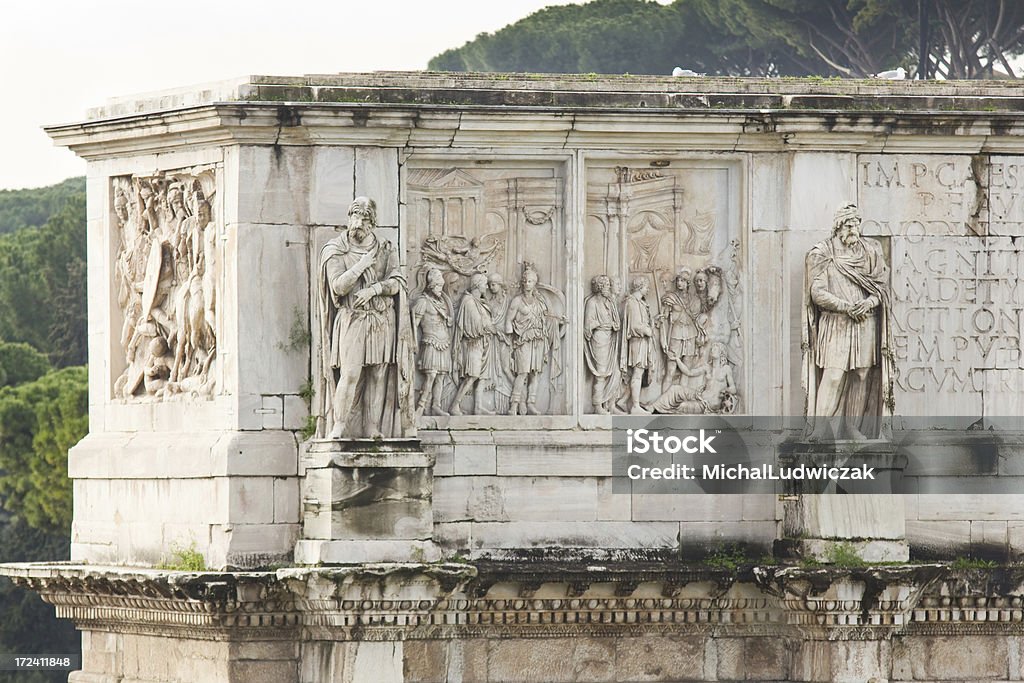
[537, 621]
[857, 519]
[366, 500]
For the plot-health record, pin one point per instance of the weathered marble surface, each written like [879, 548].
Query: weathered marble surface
[536, 621]
[712, 194]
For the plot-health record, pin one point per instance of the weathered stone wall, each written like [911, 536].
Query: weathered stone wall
[623, 177]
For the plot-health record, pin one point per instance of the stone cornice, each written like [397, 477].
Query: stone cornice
[584, 90]
[403, 601]
[468, 127]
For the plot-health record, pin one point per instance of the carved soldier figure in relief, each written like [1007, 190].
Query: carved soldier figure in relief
[166, 276]
[682, 336]
[601, 326]
[194, 318]
[637, 351]
[848, 363]
[474, 328]
[361, 283]
[432, 319]
[533, 337]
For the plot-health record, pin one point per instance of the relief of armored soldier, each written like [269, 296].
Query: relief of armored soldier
[432, 317]
[474, 328]
[682, 333]
[535, 338]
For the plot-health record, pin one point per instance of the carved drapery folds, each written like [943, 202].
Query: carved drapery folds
[490, 243]
[165, 274]
[664, 258]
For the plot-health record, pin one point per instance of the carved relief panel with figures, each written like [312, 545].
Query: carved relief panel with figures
[488, 287]
[663, 322]
[165, 271]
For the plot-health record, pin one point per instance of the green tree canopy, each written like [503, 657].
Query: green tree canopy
[42, 285]
[39, 421]
[969, 38]
[608, 36]
[32, 208]
[20, 363]
[29, 625]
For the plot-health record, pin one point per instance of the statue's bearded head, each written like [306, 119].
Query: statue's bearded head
[362, 218]
[846, 224]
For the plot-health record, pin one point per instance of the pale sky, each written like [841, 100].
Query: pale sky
[57, 59]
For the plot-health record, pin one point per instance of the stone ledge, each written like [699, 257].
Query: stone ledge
[569, 90]
[184, 455]
[413, 600]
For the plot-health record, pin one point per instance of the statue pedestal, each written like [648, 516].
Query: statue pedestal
[824, 521]
[366, 500]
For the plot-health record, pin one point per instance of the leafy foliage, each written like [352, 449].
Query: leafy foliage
[33, 208]
[606, 36]
[39, 422]
[823, 37]
[42, 412]
[729, 557]
[42, 285]
[843, 554]
[969, 38]
[186, 559]
[20, 363]
[29, 625]
[963, 563]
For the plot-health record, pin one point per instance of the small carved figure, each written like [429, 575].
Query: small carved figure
[848, 363]
[360, 283]
[716, 394]
[533, 338]
[158, 367]
[601, 326]
[432, 319]
[501, 351]
[637, 351]
[730, 259]
[175, 217]
[195, 336]
[474, 328]
[461, 255]
[682, 336]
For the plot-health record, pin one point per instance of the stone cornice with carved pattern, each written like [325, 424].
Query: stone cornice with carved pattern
[389, 602]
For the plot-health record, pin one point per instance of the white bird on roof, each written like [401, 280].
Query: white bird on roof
[680, 71]
[893, 75]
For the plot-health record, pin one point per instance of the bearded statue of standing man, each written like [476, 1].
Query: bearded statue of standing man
[848, 361]
[363, 392]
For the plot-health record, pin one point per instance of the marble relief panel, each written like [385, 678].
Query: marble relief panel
[165, 269]
[663, 320]
[488, 267]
